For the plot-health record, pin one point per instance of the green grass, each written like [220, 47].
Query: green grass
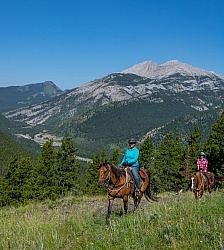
[79, 223]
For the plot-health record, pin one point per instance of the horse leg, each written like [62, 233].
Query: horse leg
[209, 188]
[137, 200]
[125, 201]
[212, 186]
[201, 192]
[111, 201]
[197, 194]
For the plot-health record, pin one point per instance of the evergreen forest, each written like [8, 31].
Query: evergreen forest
[57, 172]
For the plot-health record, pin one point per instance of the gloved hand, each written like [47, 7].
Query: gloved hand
[125, 163]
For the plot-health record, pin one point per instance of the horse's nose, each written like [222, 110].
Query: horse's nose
[99, 184]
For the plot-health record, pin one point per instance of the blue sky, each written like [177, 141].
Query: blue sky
[73, 42]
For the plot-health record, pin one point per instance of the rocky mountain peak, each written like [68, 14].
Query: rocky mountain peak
[144, 69]
[151, 69]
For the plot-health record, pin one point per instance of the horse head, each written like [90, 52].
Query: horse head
[103, 174]
[198, 184]
[197, 180]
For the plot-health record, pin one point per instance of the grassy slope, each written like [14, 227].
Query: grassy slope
[79, 223]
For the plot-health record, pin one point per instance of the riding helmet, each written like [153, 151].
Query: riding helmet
[132, 140]
[202, 153]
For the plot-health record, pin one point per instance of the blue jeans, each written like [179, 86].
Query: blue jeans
[135, 172]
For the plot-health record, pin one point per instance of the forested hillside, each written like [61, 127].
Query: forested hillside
[11, 128]
[10, 148]
[59, 172]
[13, 97]
[138, 119]
[185, 125]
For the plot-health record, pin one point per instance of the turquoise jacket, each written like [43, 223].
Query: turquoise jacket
[131, 157]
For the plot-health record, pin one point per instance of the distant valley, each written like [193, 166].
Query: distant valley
[147, 99]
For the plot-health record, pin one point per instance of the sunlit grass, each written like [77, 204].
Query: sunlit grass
[79, 223]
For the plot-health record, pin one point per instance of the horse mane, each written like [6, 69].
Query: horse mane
[117, 171]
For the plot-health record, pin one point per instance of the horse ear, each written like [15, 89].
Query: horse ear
[106, 161]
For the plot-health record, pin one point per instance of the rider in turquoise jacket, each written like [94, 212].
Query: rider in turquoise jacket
[131, 159]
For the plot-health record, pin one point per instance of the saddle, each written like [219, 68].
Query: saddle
[130, 178]
[142, 173]
[209, 176]
[129, 175]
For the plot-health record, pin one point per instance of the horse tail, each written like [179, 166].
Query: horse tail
[219, 178]
[147, 193]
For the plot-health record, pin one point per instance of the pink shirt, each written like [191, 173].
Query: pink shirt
[202, 164]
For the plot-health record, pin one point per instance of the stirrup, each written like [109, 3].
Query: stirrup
[137, 192]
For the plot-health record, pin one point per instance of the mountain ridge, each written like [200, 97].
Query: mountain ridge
[151, 69]
[118, 87]
[110, 109]
[13, 97]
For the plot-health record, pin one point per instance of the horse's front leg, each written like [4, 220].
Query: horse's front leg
[200, 193]
[125, 201]
[111, 201]
[195, 194]
[137, 200]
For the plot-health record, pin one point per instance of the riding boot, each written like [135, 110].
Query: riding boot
[137, 192]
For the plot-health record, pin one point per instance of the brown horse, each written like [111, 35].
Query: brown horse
[121, 184]
[200, 183]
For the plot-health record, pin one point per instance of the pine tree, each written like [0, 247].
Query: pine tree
[67, 166]
[43, 182]
[92, 174]
[146, 156]
[192, 151]
[14, 181]
[215, 147]
[178, 162]
[103, 155]
[114, 159]
[168, 164]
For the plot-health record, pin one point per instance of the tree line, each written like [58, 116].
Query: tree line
[58, 172]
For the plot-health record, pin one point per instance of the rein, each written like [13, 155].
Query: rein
[120, 186]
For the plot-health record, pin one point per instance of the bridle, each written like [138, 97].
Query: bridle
[117, 188]
[107, 179]
[112, 187]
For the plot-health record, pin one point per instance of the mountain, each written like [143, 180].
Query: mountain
[153, 70]
[20, 96]
[143, 99]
